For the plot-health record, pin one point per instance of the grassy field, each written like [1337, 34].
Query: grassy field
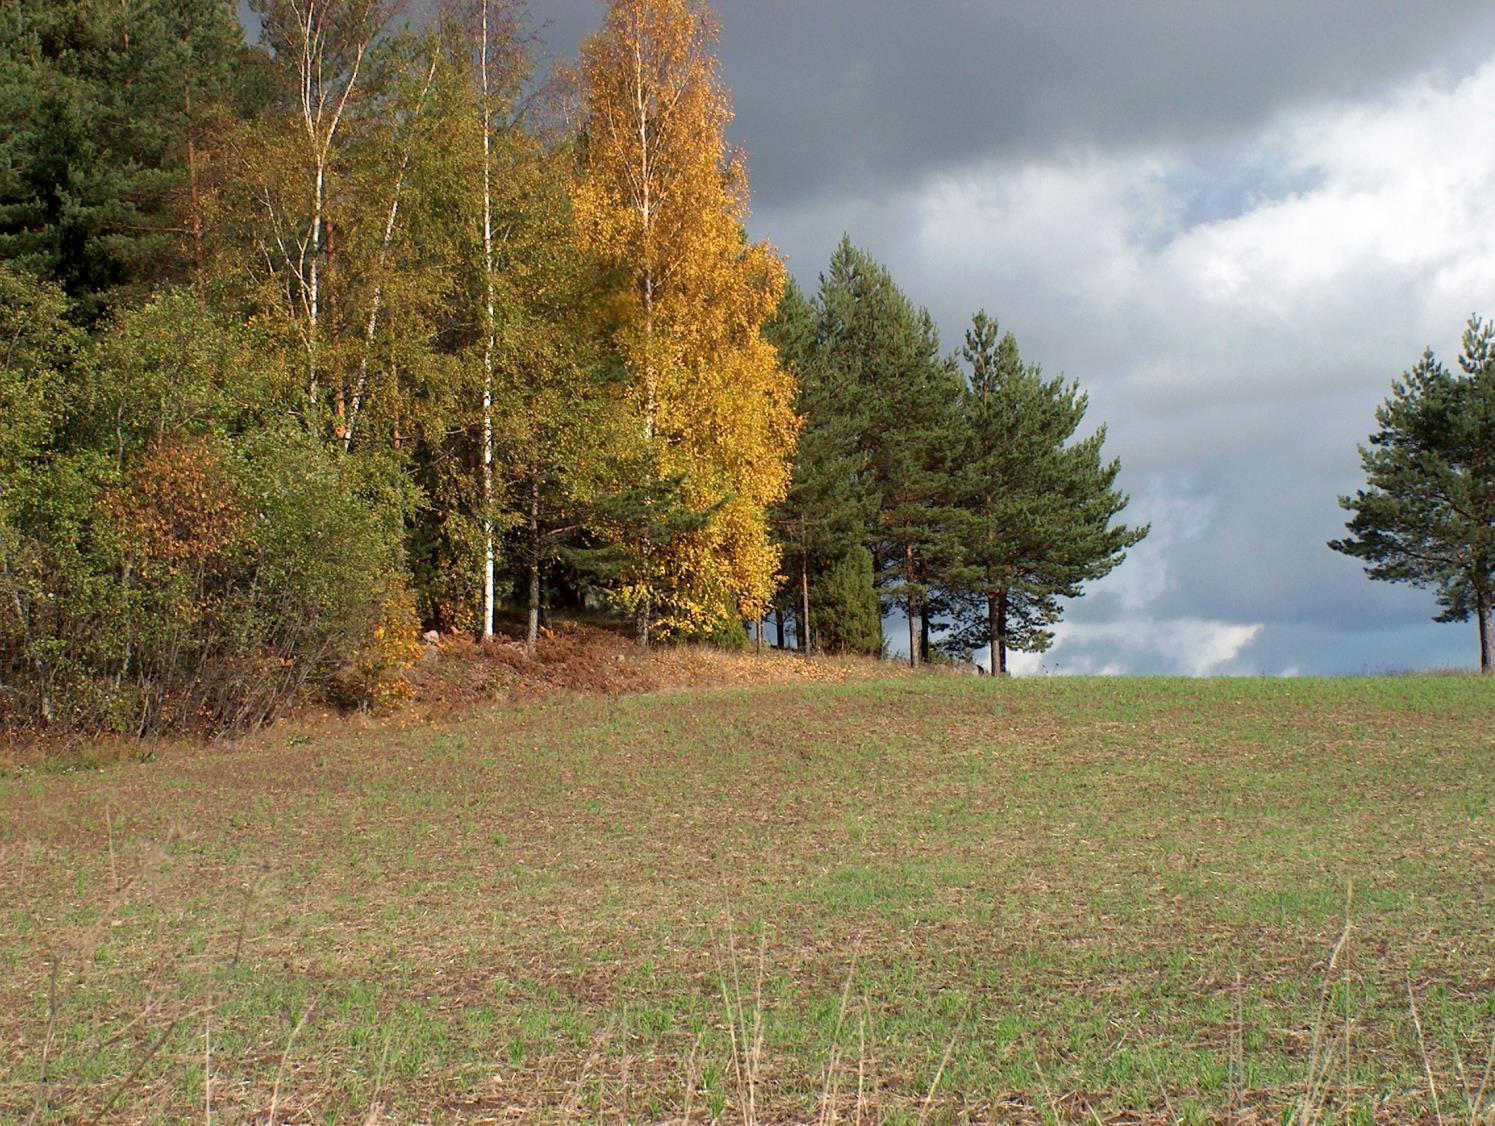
[919, 899]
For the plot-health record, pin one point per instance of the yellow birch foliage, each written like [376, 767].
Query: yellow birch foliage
[662, 204]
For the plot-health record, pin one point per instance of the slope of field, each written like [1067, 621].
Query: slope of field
[916, 899]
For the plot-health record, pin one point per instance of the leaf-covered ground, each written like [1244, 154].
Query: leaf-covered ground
[910, 899]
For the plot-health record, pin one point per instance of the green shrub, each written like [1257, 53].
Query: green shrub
[192, 566]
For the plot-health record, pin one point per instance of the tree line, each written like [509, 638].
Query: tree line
[311, 342]
[954, 485]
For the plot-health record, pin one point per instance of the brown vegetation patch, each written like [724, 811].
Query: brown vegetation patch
[580, 659]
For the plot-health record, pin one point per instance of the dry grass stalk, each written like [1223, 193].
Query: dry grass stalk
[1162, 1087]
[1048, 1092]
[861, 1066]
[747, 1045]
[831, 1084]
[284, 1057]
[572, 1106]
[1236, 1068]
[1316, 1089]
[1427, 1066]
[692, 1076]
[376, 1108]
[207, 1067]
[1477, 1104]
[938, 1075]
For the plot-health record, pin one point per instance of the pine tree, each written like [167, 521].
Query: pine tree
[1427, 516]
[662, 204]
[1033, 511]
[102, 162]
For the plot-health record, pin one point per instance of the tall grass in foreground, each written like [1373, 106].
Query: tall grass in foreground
[749, 1089]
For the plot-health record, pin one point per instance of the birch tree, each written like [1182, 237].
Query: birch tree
[321, 47]
[662, 204]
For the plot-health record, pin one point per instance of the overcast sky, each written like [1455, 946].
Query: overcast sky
[1233, 223]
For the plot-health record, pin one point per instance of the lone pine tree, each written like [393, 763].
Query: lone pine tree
[1427, 514]
[1032, 509]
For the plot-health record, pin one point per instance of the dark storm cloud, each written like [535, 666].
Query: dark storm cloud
[858, 96]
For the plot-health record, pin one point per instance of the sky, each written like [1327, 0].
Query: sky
[1234, 224]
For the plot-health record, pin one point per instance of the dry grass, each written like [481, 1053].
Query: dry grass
[581, 660]
[911, 899]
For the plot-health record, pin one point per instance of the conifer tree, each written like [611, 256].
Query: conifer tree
[1427, 515]
[888, 352]
[849, 611]
[1033, 511]
[824, 517]
[108, 111]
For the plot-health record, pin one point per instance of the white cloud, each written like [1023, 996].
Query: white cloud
[1228, 353]
[1177, 646]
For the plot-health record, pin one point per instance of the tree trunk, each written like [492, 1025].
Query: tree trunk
[804, 594]
[1486, 634]
[1001, 631]
[194, 195]
[923, 631]
[488, 341]
[913, 640]
[339, 403]
[641, 622]
[533, 633]
[778, 622]
[43, 677]
[758, 636]
[377, 297]
[993, 638]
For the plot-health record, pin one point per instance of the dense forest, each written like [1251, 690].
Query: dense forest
[345, 325]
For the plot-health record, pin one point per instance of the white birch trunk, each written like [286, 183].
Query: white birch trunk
[377, 299]
[645, 203]
[488, 340]
[321, 123]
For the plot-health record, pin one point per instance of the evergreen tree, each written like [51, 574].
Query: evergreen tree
[108, 109]
[824, 517]
[1427, 516]
[1033, 509]
[849, 613]
[887, 353]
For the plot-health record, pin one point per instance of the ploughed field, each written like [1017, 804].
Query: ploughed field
[916, 899]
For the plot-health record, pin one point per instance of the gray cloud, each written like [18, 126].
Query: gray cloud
[857, 97]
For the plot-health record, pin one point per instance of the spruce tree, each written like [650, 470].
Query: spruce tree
[904, 393]
[103, 158]
[823, 519]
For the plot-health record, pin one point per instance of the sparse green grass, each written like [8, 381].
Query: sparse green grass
[766, 898]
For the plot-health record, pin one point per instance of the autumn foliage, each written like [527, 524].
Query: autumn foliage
[661, 203]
